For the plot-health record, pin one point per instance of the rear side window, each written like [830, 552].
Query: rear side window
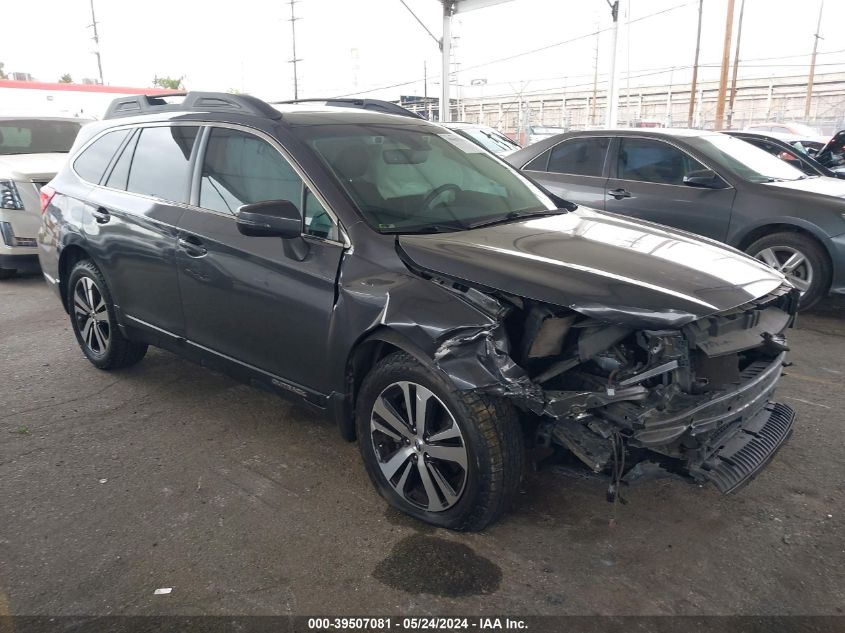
[120, 172]
[161, 162]
[240, 168]
[92, 163]
[654, 161]
[540, 163]
[579, 156]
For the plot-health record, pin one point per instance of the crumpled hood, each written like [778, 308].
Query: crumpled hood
[35, 167]
[599, 264]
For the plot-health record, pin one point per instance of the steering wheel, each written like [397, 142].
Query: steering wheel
[434, 195]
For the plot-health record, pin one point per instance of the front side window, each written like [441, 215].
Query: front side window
[37, 136]
[746, 160]
[579, 156]
[646, 160]
[92, 163]
[161, 162]
[240, 168]
[409, 178]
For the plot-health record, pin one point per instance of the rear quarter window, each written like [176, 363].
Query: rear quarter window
[92, 162]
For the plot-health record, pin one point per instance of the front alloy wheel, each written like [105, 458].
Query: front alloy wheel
[449, 457]
[419, 446]
[92, 318]
[792, 263]
[800, 258]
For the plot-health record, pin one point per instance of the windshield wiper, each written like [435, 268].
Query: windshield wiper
[428, 228]
[516, 215]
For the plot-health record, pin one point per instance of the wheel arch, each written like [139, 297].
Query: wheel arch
[798, 226]
[367, 351]
[68, 258]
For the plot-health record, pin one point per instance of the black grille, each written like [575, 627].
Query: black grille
[747, 452]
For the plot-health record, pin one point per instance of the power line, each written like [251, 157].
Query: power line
[524, 53]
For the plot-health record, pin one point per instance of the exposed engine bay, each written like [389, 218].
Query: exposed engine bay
[694, 397]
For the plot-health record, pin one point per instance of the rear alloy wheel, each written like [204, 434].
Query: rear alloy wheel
[448, 457]
[94, 322]
[91, 316]
[800, 259]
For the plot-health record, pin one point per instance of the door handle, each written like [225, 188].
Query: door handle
[619, 193]
[101, 215]
[192, 246]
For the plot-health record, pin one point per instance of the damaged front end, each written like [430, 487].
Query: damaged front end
[695, 395]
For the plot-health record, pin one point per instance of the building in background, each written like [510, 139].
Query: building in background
[55, 99]
[757, 101]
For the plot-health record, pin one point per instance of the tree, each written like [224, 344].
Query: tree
[168, 82]
[66, 79]
[2, 74]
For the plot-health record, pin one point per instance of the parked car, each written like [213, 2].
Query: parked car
[707, 183]
[484, 136]
[806, 132]
[789, 149]
[537, 133]
[31, 152]
[832, 155]
[436, 303]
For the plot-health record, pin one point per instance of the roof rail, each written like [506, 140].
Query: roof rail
[376, 105]
[137, 105]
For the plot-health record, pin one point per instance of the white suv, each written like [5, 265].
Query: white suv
[32, 150]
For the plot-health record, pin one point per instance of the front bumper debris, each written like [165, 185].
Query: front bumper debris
[745, 451]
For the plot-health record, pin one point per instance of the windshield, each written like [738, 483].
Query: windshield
[490, 139]
[36, 136]
[408, 178]
[748, 161]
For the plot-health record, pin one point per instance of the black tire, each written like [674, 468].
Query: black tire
[491, 435]
[815, 256]
[7, 273]
[108, 348]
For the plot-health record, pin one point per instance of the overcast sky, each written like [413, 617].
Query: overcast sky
[350, 46]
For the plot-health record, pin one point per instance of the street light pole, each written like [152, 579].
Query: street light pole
[612, 97]
[446, 54]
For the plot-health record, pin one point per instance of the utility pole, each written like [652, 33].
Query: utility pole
[726, 58]
[595, 79]
[691, 114]
[736, 65]
[294, 60]
[816, 39]
[96, 39]
[628, 64]
[612, 97]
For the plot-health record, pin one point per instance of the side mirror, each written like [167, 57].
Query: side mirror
[271, 218]
[705, 178]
